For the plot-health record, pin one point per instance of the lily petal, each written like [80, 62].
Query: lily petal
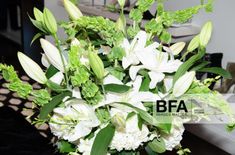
[57, 78]
[183, 83]
[112, 79]
[76, 93]
[134, 70]
[155, 78]
[45, 61]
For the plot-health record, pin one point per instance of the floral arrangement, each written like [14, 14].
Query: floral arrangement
[103, 81]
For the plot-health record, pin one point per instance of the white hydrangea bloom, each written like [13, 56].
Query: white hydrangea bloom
[173, 139]
[131, 137]
[73, 121]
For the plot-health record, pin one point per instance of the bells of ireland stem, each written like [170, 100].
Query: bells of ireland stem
[96, 65]
[53, 55]
[72, 10]
[205, 34]
[183, 83]
[31, 68]
[49, 21]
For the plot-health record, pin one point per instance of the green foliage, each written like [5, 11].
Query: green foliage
[117, 72]
[65, 147]
[105, 28]
[81, 76]
[23, 89]
[103, 115]
[41, 97]
[48, 108]
[102, 140]
[89, 89]
[116, 53]
[136, 15]
[116, 88]
[95, 99]
[157, 145]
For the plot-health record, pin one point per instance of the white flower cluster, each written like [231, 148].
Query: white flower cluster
[76, 119]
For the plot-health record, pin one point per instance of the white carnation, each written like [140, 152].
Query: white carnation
[173, 139]
[131, 137]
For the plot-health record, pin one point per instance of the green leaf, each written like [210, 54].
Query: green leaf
[200, 66]
[150, 151]
[51, 71]
[48, 108]
[157, 145]
[188, 64]
[66, 147]
[148, 118]
[145, 84]
[38, 35]
[217, 70]
[55, 87]
[117, 88]
[102, 140]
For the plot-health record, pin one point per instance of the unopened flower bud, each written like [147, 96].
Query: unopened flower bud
[73, 11]
[96, 65]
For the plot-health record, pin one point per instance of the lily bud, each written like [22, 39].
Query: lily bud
[205, 34]
[73, 11]
[38, 14]
[31, 68]
[96, 65]
[194, 44]
[177, 47]
[119, 122]
[121, 3]
[121, 23]
[49, 21]
[53, 55]
[183, 83]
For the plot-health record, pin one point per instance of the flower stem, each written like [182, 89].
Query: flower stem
[62, 59]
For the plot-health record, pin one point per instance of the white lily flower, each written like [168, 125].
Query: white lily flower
[133, 96]
[57, 78]
[157, 63]
[137, 45]
[53, 55]
[31, 68]
[73, 121]
[183, 83]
